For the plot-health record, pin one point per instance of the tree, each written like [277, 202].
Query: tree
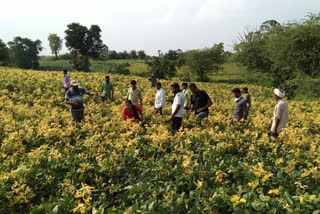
[142, 54]
[55, 43]
[202, 62]
[4, 53]
[83, 44]
[173, 54]
[133, 54]
[113, 55]
[24, 52]
[124, 55]
[162, 67]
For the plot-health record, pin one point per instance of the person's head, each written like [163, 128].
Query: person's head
[278, 94]
[236, 92]
[133, 83]
[74, 84]
[245, 90]
[65, 71]
[158, 85]
[152, 75]
[128, 104]
[184, 85]
[107, 78]
[175, 88]
[193, 88]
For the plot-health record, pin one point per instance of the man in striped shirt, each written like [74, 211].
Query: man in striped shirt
[74, 97]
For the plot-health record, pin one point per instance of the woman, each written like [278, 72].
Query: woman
[132, 112]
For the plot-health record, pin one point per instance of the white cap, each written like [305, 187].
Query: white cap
[279, 93]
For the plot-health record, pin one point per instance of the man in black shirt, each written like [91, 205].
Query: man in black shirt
[200, 103]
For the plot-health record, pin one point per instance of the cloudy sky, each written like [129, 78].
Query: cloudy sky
[148, 24]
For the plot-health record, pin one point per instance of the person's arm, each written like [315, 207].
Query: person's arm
[92, 93]
[140, 95]
[205, 107]
[162, 98]
[112, 96]
[277, 119]
[67, 100]
[175, 111]
[101, 92]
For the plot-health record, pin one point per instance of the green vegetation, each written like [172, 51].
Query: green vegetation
[288, 53]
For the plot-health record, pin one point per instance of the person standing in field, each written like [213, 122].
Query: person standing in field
[187, 95]
[74, 97]
[106, 90]
[280, 114]
[66, 81]
[153, 80]
[132, 112]
[247, 97]
[177, 107]
[199, 102]
[160, 101]
[240, 109]
[134, 94]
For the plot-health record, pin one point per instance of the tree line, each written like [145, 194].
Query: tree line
[289, 53]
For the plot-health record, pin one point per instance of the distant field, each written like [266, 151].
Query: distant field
[136, 67]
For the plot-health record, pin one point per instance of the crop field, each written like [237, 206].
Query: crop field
[105, 165]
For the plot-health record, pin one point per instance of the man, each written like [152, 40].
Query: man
[153, 80]
[247, 97]
[187, 95]
[159, 102]
[134, 94]
[280, 114]
[74, 97]
[66, 81]
[107, 87]
[241, 109]
[177, 107]
[200, 103]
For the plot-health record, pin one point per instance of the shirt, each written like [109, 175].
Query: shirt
[187, 95]
[160, 99]
[200, 100]
[240, 109]
[178, 100]
[129, 114]
[248, 98]
[280, 112]
[66, 81]
[134, 95]
[77, 97]
[107, 87]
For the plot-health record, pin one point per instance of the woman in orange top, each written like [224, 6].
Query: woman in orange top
[132, 112]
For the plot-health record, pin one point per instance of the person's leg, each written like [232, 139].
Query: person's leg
[160, 111]
[81, 115]
[200, 116]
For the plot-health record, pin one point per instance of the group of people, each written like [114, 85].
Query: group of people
[187, 100]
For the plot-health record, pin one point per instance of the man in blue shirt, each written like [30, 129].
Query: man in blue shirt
[74, 97]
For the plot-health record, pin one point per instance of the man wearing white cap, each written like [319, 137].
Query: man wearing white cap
[280, 114]
[74, 97]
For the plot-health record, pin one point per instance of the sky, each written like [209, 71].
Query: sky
[148, 25]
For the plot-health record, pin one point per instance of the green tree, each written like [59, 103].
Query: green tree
[83, 44]
[133, 54]
[173, 54]
[124, 55]
[162, 67]
[4, 53]
[199, 63]
[24, 52]
[113, 55]
[55, 43]
[142, 54]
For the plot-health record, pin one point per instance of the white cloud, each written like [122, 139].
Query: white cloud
[217, 9]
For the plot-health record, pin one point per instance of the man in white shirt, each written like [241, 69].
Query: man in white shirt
[177, 107]
[159, 102]
[280, 114]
